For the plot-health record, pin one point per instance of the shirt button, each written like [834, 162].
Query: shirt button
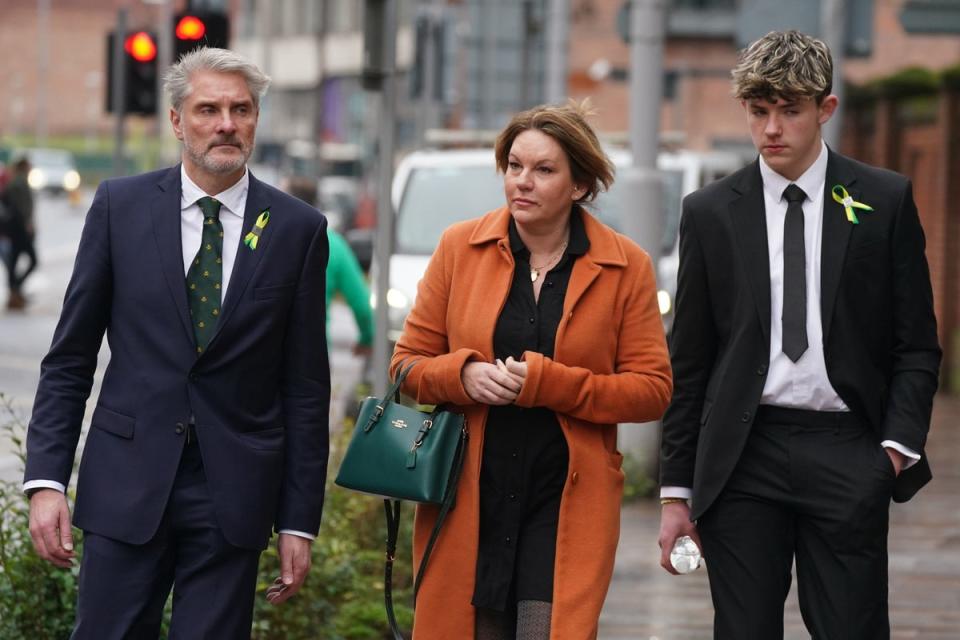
[507, 539]
[762, 369]
[512, 496]
[532, 320]
[178, 429]
[745, 417]
[514, 455]
[550, 284]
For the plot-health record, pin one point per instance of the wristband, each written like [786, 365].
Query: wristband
[665, 501]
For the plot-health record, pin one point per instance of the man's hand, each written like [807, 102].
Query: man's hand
[50, 527]
[675, 523]
[294, 552]
[897, 458]
[489, 384]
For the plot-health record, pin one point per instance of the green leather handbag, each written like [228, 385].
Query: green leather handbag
[400, 453]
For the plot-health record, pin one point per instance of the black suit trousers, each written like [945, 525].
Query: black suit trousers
[812, 487]
[124, 587]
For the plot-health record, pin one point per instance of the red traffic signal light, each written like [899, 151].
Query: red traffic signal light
[140, 46]
[190, 28]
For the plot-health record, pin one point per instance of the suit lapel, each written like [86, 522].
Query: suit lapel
[750, 223]
[836, 234]
[165, 213]
[258, 200]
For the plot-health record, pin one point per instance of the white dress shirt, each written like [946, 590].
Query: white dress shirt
[233, 202]
[803, 384]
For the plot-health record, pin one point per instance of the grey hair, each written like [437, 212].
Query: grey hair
[176, 81]
[784, 64]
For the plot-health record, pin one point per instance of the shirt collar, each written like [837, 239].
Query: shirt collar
[811, 181]
[232, 199]
[577, 245]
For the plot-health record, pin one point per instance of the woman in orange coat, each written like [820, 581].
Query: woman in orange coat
[541, 325]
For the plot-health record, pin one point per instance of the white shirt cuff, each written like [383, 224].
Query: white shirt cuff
[299, 534]
[676, 492]
[912, 456]
[44, 484]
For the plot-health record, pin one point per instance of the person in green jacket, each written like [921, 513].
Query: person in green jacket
[344, 275]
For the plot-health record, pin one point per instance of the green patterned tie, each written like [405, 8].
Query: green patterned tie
[206, 275]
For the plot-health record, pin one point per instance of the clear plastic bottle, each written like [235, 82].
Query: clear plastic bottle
[685, 555]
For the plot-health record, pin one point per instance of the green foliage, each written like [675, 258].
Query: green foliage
[37, 600]
[638, 483]
[342, 598]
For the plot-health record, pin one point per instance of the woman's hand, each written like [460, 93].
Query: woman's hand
[489, 384]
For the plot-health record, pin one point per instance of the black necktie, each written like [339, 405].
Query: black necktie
[205, 275]
[794, 318]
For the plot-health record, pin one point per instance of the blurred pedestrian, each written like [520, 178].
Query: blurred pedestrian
[20, 230]
[344, 275]
[541, 324]
[210, 431]
[805, 359]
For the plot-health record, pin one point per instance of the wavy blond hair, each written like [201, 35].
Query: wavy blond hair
[784, 64]
[567, 124]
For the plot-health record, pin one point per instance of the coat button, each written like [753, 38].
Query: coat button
[575, 477]
[762, 369]
[178, 429]
[745, 417]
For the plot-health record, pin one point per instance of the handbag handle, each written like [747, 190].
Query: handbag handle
[394, 391]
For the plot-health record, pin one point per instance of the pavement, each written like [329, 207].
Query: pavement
[646, 603]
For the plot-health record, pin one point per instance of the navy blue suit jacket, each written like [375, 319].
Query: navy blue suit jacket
[259, 393]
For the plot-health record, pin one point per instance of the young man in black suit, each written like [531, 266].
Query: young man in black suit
[805, 362]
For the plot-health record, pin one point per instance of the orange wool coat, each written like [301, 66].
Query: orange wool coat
[610, 366]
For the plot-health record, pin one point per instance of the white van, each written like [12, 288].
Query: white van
[432, 189]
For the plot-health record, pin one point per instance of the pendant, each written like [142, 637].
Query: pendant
[534, 274]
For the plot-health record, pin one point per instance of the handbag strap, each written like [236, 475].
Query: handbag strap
[392, 510]
[393, 391]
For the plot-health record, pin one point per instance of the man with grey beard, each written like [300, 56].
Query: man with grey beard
[210, 430]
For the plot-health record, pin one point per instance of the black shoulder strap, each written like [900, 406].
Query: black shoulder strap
[392, 510]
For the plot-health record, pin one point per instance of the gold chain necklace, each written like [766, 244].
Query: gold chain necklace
[535, 271]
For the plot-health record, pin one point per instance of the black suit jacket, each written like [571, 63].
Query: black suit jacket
[879, 330]
[259, 393]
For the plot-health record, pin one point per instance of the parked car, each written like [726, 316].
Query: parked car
[52, 170]
[433, 189]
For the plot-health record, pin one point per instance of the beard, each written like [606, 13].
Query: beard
[201, 156]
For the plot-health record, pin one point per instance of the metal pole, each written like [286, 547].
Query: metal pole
[164, 61]
[641, 182]
[558, 30]
[833, 26]
[385, 217]
[43, 68]
[119, 92]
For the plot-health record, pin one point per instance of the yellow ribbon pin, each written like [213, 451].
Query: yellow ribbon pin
[841, 196]
[253, 236]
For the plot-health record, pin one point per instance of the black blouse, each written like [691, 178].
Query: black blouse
[524, 464]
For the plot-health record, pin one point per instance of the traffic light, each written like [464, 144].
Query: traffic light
[204, 29]
[140, 72]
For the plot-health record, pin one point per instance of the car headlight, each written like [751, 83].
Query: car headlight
[397, 299]
[663, 300]
[37, 179]
[71, 180]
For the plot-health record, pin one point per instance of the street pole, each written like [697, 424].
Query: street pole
[383, 247]
[833, 26]
[119, 92]
[641, 181]
[164, 61]
[43, 69]
[558, 31]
